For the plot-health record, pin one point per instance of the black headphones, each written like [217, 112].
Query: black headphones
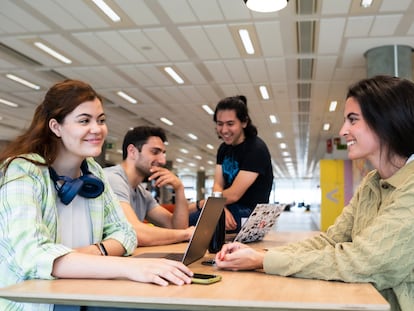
[87, 186]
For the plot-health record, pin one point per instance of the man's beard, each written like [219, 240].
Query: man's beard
[144, 173]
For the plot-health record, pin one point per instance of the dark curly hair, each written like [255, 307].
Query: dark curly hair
[239, 105]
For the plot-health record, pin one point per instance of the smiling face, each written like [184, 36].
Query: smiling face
[82, 132]
[152, 154]
[362, 141]
[229, 127]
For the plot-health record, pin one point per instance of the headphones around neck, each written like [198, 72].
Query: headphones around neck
[87, 185]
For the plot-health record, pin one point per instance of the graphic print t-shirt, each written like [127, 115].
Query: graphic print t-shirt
[251, 155]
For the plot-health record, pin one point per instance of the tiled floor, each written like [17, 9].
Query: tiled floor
[298, 219]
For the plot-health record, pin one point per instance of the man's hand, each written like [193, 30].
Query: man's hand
[163, 177]
[231, 223]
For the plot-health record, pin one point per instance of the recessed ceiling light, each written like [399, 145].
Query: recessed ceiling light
[192, 136]
[279, 134]
[366, 3]
[184, 150]
[22, 81]
[174, 75]
[326, 127]
[208, 109]
[247, 42]
[166, 121]
[332, 105]
[263, 92]
[8, 103]
[127, 97]
[283, 146]
[273, 118]
[52, 52]
[107, 10]
[210, 146]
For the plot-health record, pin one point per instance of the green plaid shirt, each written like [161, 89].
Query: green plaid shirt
[29, 235]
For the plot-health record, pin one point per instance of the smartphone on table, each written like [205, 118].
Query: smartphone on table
[209, 262]
[201, 278]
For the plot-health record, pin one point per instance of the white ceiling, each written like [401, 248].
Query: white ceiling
[308, 55]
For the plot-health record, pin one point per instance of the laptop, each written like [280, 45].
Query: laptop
[260, 221]
[203, 232]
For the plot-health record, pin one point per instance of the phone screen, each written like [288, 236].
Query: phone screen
[203, 276]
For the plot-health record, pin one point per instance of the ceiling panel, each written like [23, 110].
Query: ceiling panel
[266, 30]
[335, 7]
[257, 70]
[178, 11]
[166, 43]
[222, 40]
[206, 11]
[21, 18]
[144, 45]
[385, 25]
[138, 12]
[331, 29]
[66, 18]
[200, 43]
[237, 70]
[358, 26]
[200, 40]
[395, 6]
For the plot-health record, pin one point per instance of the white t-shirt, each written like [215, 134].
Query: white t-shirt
[74, 223]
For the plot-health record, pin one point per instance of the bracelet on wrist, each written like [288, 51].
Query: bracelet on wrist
[102, 249]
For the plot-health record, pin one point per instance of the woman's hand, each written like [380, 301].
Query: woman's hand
[158, 271]
[238, 256]
[147, 270]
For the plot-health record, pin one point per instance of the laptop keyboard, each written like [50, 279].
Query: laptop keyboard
[175, 256]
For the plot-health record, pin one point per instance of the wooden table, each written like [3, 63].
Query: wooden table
[249, 290]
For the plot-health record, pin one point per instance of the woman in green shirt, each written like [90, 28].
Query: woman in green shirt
[373, 238]
[58, 217]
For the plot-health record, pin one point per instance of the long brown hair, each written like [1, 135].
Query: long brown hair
[60, 100]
